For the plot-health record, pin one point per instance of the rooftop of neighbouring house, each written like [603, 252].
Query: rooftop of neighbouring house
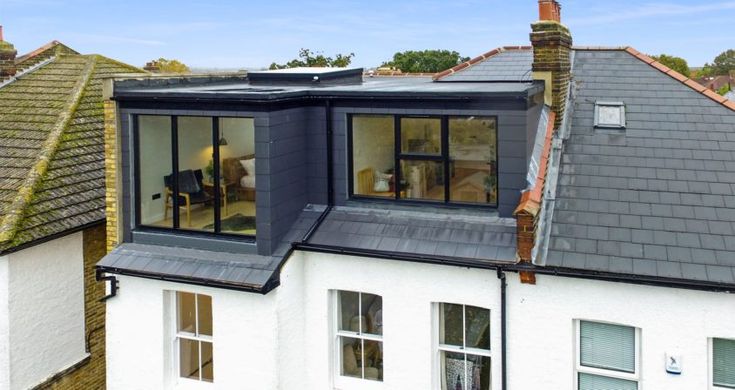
[657, 198]
[52, 144]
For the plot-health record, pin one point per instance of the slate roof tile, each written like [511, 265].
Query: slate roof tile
[661, 193]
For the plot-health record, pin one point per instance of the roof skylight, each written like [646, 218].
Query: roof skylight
[610, 115]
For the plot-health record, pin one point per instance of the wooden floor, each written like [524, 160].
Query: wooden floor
[202, 216]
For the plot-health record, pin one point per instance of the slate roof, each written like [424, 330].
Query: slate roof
[52, 147]
[242, 271]
[657, 199]
[510, 64]
[474, 236]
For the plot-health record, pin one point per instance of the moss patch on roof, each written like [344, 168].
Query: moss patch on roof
[52, 148]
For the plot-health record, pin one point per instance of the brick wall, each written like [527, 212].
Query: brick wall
[89, 374]
[111, 174]
[552, 42]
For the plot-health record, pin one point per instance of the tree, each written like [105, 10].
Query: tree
[676, 63]
[163, 65]
[723, 64]
[310, 59]
[426, 61]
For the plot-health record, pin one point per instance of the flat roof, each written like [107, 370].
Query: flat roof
[239, 88]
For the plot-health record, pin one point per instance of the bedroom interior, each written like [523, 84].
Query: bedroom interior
[195, 150]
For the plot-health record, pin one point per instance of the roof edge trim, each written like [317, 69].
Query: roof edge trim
[477, 59]
[681, 78]
[531, 199]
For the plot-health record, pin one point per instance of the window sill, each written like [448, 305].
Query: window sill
[346, 383]
[193, 240]
[187, 384]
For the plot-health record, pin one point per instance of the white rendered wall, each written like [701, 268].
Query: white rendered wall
[46, 310]
[283, 340]
[408, 291]
[139, 341]
[4, 326]
[541, 335]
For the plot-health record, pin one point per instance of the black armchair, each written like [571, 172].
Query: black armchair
[191, 192]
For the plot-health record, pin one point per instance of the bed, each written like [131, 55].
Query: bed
[234, 172]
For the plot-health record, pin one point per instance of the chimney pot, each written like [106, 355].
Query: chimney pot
[1, 33]
[549, 10]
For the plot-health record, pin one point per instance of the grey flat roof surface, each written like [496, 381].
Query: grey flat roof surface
[447, 233]
[372, 86]
[657, 199]
[231, 269]
[511, 65]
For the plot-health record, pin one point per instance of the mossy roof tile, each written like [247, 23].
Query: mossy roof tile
[53, 112]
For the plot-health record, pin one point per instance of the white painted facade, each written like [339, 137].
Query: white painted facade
[285, 340]
[41, 312]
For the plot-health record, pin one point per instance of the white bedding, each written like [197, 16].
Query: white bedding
[247, 181]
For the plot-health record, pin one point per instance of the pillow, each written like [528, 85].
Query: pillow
[249, 166]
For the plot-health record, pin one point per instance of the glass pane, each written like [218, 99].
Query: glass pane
[422, 180]
[349, 305]
[196, 190]
[473, 156]
[186, 312]
[372, 311]
[156, 167]
[421, 136]
[205, 314]
[373, 155]
[189, 359]
[610, 115]
[451, 325]
[351, 357]
[207, 362]
[595, 382]
[607, 346]
[373, 355]
[478, 372]
[724, 362]
[237, 162]
[453, 371]
[477, 327]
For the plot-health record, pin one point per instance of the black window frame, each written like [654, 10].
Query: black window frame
[176, 228]
[399, 156]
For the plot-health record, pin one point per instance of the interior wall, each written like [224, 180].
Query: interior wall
[155, 163]
[195, 152]
[373, 139]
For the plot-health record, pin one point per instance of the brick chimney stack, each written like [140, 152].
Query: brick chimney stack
[7, 58]
[552, 42]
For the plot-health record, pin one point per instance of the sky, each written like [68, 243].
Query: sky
[232, 34]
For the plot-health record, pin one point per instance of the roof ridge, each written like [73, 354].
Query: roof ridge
[693, 84]
[34, 53]
[119, 63]
[477, 59]
[11, 221]
[27, 71]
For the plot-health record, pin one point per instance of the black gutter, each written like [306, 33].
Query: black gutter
[183, 279]
[514, 267]
[503, 329]
[52, 237]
